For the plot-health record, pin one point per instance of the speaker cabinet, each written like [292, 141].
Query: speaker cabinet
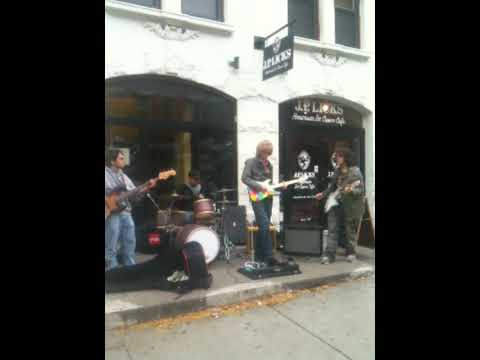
[235, 224]
[303, 240]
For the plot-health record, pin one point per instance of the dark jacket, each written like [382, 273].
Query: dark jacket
[254, 171]
[353, 202]
[187, 204]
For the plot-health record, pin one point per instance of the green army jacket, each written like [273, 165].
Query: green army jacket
[353, 202]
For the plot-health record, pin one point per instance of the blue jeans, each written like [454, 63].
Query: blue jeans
[263, 212]
[119, 230]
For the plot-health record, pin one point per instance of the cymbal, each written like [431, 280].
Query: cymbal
[178, 196]
[226, 202]
[225, 190]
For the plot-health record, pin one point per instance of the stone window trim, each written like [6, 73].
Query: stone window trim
[331, 49]
[171, 18]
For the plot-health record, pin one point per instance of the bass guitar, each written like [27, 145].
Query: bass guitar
[332, 199]
[270, 189]
[116, 200]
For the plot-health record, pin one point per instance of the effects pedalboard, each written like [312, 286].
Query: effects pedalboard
[256, 270]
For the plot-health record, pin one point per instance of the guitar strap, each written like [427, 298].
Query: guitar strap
[266, 167]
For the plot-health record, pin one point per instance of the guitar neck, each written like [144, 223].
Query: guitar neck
[138, 189]
[286, 183]
[146, 184]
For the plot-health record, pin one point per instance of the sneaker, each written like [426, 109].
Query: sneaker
[325, 260]
[351, 258]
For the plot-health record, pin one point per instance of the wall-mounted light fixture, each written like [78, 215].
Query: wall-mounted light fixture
[258, 42]
[235, 63]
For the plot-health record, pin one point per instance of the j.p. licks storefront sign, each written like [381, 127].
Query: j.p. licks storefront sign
[319, 111]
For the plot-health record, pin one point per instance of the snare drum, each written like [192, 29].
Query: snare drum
[206, 237]
[204, 209]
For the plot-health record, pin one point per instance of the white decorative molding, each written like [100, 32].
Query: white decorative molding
[138, 11]
[334, 49]
[329, 60]
[170, 32]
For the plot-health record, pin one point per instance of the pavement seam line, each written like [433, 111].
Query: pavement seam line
[128, 353]
[311, 333]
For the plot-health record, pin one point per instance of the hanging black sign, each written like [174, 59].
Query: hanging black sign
[278, 52]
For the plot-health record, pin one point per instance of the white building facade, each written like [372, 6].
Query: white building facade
[160, 37]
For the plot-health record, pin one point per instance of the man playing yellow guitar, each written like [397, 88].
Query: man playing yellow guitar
[257, 170]
[119, 225]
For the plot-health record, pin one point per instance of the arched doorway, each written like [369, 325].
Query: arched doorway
[311, 128]
[164, 122]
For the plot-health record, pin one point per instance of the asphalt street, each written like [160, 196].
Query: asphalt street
[336, 322]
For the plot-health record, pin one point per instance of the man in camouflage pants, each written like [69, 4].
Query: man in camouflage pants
[350, 208]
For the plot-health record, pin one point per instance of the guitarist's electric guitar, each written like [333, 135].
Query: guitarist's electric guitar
[332, 199]
[116, 200]
[270, 189]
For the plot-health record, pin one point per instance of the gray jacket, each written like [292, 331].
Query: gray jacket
[254, 171]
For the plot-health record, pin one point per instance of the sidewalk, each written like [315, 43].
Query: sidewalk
[228, 287]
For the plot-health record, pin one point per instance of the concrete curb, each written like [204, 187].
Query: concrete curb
[225, 296]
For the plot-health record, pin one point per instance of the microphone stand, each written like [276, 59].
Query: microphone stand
[153, 201]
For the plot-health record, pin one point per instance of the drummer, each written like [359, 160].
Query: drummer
[192, 190]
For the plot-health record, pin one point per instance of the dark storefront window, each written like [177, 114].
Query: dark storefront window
[347, 23]
[208, 9]
[306, 15]
[148, 3]
[311, 130]
[171, 124]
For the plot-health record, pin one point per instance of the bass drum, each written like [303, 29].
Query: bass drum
[205, 236]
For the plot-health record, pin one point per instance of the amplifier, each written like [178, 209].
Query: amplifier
[303, 240]
[235, 224]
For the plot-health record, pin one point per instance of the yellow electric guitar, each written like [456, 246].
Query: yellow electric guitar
[116, 201]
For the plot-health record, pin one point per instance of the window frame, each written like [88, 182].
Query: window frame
[316, 21]
[219, 8]
[356, 15]
[156, 4]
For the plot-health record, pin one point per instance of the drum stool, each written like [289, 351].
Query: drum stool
[251, 230]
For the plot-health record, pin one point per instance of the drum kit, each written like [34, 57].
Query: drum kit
[204, 225]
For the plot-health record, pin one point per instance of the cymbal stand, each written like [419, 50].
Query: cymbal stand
[153, 201]
[228, 245]
[169, 229]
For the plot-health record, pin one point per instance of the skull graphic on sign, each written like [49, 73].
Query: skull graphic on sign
[276, 45]
[304, 160]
